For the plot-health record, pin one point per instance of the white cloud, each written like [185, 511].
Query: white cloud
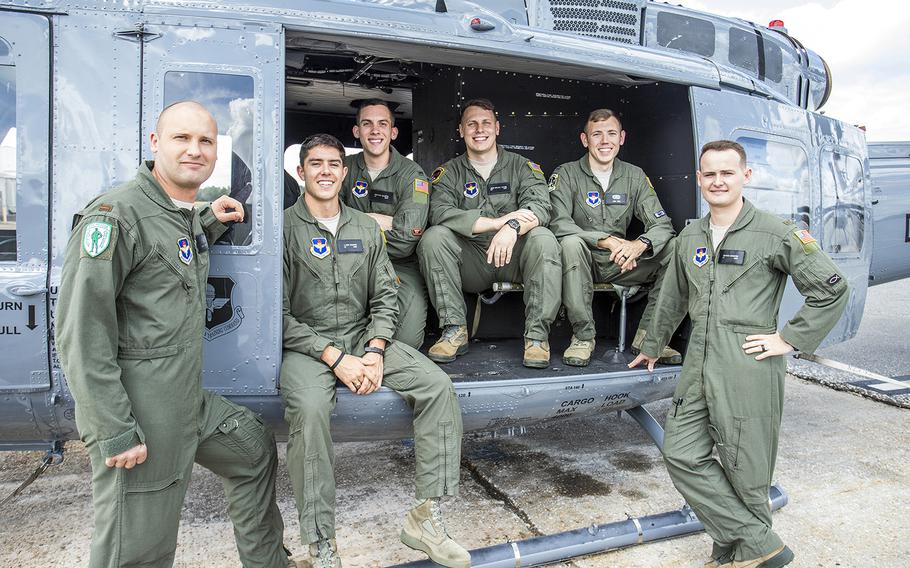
[864, 43]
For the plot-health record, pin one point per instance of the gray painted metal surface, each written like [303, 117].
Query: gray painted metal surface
[889, 164]
[92, 76]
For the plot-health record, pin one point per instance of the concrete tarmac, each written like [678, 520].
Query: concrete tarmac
[844, 460]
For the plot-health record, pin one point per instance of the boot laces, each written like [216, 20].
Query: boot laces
[579, 342]
[450, 331]
[436, 517]
[325, 554]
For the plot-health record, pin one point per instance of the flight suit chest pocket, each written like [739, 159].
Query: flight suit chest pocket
[315, 262]
[352, 253]
[382, 201]
[501, 197]
[171, 266]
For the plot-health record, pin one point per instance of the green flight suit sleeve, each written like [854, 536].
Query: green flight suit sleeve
[562, 224]
[212, 227]
[87, 335]
[659, 230]
[444, 209]
[533, 193]
[672, 305]
[297, 335]
[382, 292]
[822, 284]
[412, 213]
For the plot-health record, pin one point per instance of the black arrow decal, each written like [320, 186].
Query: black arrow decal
[31, 317]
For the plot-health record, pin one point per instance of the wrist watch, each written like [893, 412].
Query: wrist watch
[515, 225]
[378, 350]
[647, 242]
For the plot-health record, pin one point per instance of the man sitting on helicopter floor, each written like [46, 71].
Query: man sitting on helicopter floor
[340, 311]
[594, 199]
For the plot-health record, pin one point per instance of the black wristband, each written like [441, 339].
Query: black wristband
[378, 350]
[337, 361]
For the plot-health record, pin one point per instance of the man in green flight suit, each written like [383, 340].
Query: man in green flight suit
[728, 272]
[394, 191]
[129, 326]
[489, 212]
[594, 199]
[339, 318]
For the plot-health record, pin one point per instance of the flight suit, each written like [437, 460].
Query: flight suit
[403, 192]
[341, 290]
[725, 398]
[583, 214]
[129, 327]
[453, 258]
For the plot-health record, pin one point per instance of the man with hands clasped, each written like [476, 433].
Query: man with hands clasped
[489, 211]
[594, 200]
[728, 272]
[339, 314]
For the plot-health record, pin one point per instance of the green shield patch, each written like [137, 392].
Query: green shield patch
[97, 238]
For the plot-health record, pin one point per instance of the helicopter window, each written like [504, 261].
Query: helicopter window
[843, 216]
[230, 99]
[685, 33]
[780, 178]
[7, 162]
[744, 54]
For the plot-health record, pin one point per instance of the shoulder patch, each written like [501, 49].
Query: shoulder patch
[421, 191]
[106, 208]
[807, 241]
[554, 182]
[535, 167]
[98, 239]
[437, 175]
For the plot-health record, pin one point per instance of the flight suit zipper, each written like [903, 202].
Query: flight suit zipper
[738, 277]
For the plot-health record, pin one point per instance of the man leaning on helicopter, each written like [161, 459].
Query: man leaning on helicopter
[130, 318]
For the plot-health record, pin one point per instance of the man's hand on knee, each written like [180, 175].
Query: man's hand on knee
[128, 459]
[373, 365]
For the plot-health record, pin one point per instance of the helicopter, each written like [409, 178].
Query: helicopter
[82, 84]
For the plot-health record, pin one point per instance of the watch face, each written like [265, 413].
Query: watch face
[514, 224]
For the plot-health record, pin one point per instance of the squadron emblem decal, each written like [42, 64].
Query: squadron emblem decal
[470, 189]
[437, 174]
[360, 189]
[701, 256]
[593, 199]
[96, 237]
[221, 316]
[184, 251]
[553, 183]
[320, 248]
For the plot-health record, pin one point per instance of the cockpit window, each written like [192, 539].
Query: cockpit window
[685, 33]
[7, 161]
[230, 99]
[744, 53]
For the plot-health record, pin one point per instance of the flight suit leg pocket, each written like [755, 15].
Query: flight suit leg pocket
[244, 435]
[751, 473]
[727, 441]
[149, 514]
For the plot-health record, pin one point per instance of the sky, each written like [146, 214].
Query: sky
[865, 43]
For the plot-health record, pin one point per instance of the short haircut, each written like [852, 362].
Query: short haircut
[485, 104]
[374, 102]
[722, 145]
[186, 102]
[602, 114]
[320, 140]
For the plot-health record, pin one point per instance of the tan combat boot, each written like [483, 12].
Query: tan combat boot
[454, 342]
[537, 353]
[579, 352]
[424, 530]
[668, 356]
[323, 554]
[775, 559]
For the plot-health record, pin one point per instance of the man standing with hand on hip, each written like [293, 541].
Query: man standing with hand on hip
[728, 272]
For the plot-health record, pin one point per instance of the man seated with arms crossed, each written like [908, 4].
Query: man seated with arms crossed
[594, 200]
[130, 319]
[394, 191]
[728, 271]
[339, 317]
[489, 210]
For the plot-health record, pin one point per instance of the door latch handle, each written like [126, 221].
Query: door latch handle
[25, 290]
